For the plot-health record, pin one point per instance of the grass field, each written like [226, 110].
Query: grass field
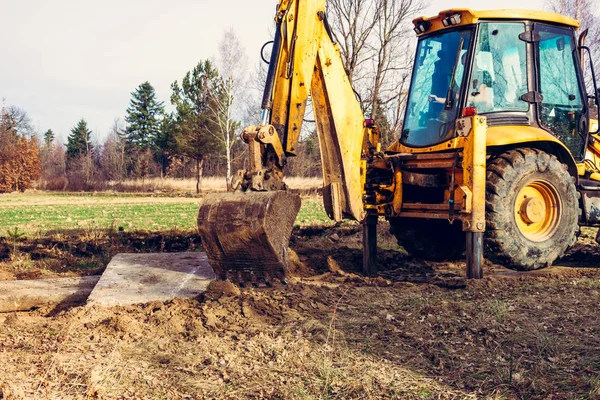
[36, 214]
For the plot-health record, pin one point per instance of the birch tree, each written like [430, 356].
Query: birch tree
[233, 65]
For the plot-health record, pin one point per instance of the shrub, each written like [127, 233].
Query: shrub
[19, 162]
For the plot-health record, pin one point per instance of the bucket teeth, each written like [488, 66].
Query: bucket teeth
[246, 235]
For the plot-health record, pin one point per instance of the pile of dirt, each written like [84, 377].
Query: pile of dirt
[229, 343]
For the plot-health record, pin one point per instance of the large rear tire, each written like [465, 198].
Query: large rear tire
[429, 239]
[532, 209]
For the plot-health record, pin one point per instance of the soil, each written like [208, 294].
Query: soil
[418, 330]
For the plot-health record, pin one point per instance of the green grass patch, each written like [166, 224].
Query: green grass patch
[43, 218]
[312, 212]
[38, 214]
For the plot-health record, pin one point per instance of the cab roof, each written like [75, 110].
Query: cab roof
[469, 17]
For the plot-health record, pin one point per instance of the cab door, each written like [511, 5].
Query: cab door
[562, 110]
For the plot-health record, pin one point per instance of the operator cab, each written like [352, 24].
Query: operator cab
[517, 68]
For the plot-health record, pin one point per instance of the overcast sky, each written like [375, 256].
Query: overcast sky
[63, 60]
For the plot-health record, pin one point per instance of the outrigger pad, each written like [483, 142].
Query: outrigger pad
[246, 235]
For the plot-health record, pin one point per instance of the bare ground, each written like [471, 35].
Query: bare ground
[418, 331]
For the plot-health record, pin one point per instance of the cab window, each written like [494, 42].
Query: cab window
[499, 74]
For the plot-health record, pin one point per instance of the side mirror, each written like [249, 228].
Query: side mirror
[581, 45]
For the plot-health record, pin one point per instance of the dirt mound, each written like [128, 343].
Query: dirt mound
[218, 289]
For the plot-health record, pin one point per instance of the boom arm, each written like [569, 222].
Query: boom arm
[246, 233]
[304, 56]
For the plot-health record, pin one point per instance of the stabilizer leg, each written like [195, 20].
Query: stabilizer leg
[370, 244]
[474, 255]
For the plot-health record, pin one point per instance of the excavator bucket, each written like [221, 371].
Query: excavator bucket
[246, 235]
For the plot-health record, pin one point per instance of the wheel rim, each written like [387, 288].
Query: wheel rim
[538, 210]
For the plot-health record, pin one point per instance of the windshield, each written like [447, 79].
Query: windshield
[433, 100]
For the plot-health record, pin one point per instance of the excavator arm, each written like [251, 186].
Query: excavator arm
[246, 233]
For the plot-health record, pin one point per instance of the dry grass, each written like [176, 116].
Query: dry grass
[231, 346]
[209, 184]
[300, 183]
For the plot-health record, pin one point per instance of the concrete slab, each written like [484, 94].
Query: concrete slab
[140, 278]
[27, 294]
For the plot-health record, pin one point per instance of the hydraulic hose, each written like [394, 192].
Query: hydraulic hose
[267, 100]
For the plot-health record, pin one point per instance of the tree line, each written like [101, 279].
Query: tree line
[198, 137]
[215, 99]
[199, 134]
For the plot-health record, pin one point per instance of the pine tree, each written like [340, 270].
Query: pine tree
[49, 138]
[143, 117]
[79, 143]
[166, 143]
[195, 101]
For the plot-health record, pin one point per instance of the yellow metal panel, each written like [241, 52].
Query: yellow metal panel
[340, 127]
[594, 146]
[469, 17]
[307, 40]
[592, 154]
[455, 143]
[580, 169]
[593, 125]
[536, 15]
[514, 134]
[496, 136]
[398, 192]
[281, 89]
[474, 171]
[302, 32]
[595, 176]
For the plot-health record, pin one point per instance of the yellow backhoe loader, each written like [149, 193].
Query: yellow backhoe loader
[497, 142]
